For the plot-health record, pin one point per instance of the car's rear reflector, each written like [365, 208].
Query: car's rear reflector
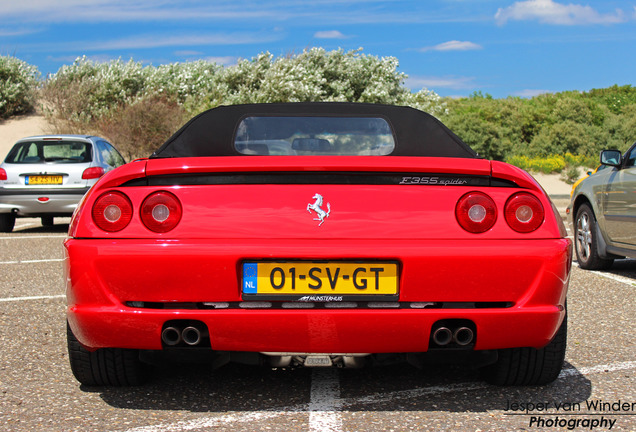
[524, 212]
[476, 212]
[92, 173]
[161, 211]
[112, 211]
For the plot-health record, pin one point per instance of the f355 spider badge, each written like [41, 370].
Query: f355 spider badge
[317, 207]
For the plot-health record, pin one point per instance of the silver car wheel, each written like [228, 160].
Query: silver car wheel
[586, 241]
[584, 235]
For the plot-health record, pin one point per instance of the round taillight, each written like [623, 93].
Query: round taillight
[112, 211]
[524, 212]
[161, 211]
[476, 212]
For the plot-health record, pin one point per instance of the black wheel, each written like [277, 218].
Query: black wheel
[105, 367]
[7, 222]
[47, 221]
[586, 242]
[529, 366]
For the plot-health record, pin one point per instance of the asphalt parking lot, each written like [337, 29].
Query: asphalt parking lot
[596, 390]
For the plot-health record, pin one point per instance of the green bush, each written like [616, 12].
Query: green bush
[139, 128]
[80, 94]
[18, 86]
[581, 123]
[94, 97]
[86, 96]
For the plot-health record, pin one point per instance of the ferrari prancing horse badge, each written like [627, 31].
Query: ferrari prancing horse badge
[317, 207]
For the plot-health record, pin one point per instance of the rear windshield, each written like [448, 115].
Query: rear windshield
[346, 136]
[50, 151]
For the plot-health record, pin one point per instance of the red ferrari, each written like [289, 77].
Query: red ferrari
[317, 234]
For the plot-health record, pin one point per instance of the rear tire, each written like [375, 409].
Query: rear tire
[586, 241]
[7, 222]
[106, 366]
[47, 221]
[529, 366]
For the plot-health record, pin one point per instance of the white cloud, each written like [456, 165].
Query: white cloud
[329, 34]
[188, 53]
[453, 45]
[154, 41]
[550, 12]
[529, 93]
[224, 61]
[325, 12]
[17, 32]
[457, 83]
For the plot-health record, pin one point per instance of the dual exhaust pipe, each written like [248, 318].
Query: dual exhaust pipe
[461, 336]
[174, 335]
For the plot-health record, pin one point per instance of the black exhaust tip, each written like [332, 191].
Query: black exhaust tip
[171, 336]
[442, 336]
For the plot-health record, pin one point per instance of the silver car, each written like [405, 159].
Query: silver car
[603, 210]
[46, 176]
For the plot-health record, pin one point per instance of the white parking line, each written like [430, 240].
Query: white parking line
[325, 395]
[33, 261]
[325, 401]
[14, 299]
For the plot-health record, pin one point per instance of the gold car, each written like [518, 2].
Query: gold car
[603, 210]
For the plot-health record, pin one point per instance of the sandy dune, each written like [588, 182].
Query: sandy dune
[19, 127]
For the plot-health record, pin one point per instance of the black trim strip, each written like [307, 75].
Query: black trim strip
[334, 178]
[345, 304]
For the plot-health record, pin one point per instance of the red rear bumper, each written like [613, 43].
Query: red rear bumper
[103, 275]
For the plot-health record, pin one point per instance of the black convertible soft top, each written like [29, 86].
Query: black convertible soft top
[212, 132]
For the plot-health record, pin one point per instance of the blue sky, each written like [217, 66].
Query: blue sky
[453, 47]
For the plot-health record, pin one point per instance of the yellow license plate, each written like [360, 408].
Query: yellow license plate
[43, 180]
[323, 278]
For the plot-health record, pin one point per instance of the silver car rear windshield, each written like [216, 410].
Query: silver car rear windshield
[50, 152]
[314, 136]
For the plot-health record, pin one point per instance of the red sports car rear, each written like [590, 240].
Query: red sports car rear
[317, 234]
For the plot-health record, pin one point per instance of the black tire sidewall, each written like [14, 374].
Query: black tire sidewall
[7, 222]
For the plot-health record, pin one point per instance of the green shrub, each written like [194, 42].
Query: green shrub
[80, 97]
[85, 91]
[571, 174]
[18, 86]
[139, 128]
[95, 97]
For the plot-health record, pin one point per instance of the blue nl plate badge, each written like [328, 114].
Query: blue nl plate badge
[250, 271]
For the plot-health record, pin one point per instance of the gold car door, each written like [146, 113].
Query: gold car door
[620, 204]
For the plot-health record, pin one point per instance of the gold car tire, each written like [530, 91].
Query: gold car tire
[586, 241]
